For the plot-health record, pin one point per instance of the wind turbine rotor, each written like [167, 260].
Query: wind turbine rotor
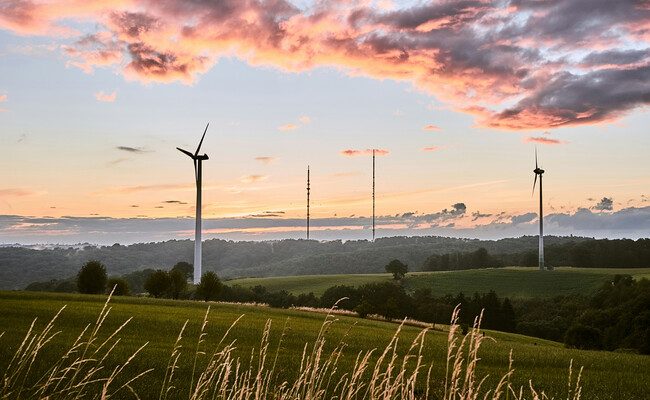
[187, 153]
[201, 142]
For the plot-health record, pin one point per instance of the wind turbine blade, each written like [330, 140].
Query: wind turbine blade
[196, 172]
[201, 142]
[534, 183]
[536, 161]
[185, 152]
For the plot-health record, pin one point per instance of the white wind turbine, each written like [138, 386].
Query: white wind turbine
[198, 159]
[539, 172]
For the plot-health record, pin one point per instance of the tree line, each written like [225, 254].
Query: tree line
[20, 266]
[605, 253]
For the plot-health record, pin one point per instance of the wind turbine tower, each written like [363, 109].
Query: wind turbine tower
[198, 160]
[373, 195]
[308, 189]
[540, 172]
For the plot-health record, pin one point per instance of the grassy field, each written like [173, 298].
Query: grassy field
[606, 376]
[514, 282]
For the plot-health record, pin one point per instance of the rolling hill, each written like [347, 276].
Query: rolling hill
[607, 375]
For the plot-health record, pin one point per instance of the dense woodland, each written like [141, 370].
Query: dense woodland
[21, 266]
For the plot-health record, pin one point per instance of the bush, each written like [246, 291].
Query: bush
[92, 278]
[583, 337]
[119, 287]
[209, 287]
[185, 268]
[158, 284]
[178, 282]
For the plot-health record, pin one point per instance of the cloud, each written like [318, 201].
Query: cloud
[174, 202]
[106, 97]
[265, 159]
[287, 127]
[517, 64]
[605, 204]
[629, 222]
[478, 215]
[366, 152]
[253, 178]
[304, 120]
[431, 127]
[432, 148]
[3, 98]
[18, 192]
[543, 140]
[523, 219]
[136, 150]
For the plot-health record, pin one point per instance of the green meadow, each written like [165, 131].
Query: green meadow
[513, 282]
[606, 375]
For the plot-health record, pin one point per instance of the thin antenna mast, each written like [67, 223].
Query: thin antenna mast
[308, 189]
[373, 195]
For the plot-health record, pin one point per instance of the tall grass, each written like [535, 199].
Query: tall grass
[399, 371]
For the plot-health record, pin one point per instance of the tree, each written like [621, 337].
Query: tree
[397, 268]
[209, 287]
[158, 283]
[185, 268]
[178, 283]
[119, 286]
[92, 278]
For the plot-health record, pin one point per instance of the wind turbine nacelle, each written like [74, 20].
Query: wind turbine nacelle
[203, 157]
[538, 171]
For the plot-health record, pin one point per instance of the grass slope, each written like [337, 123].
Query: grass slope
[606, 376]
[514, 282]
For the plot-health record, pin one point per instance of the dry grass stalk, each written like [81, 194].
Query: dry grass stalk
[219, 374]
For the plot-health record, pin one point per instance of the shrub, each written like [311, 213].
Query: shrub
[158, 284]
[177, 283]
[583, 337]
[209, 287]
[119, 287]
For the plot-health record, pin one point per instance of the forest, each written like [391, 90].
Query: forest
[21, 266]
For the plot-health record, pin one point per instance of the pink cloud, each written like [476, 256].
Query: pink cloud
[543, 140]
[458, 51]
[106, 97]
[431, 127]
[18, 192]
[366, 152]
[265, 159]
[253, 178]
[287, 127]
[3, 98]
[432, 148]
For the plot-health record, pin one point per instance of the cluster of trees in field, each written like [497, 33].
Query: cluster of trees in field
[20, 266]
[616, 317]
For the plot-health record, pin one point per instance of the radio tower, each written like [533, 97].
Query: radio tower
[373, 195]
[308, 202]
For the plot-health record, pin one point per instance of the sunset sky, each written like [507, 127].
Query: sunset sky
[96, 95]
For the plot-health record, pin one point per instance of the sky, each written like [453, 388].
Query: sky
[455, 95]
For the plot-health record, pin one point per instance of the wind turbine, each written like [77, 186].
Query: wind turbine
[373, 194]
[539, 172]
[198, 159]
[308, 190]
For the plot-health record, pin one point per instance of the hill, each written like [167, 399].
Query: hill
[513, 282]
[22, 266]
[607, 375]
